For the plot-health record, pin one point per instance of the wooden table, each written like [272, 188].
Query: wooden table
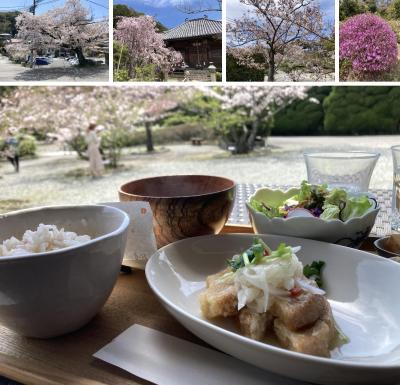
[68, 359]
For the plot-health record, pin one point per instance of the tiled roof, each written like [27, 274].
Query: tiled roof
[194, 28]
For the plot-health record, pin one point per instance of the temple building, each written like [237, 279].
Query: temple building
[199, 41]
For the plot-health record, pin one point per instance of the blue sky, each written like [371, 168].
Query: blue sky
[235, 9]
[99, 10]
[165, 11]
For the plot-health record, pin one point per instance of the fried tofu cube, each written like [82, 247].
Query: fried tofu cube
[316, 340]
[220, 297]
[254, 325]
[298, 312]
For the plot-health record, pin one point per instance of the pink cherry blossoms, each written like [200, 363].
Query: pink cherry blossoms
[369, 43]
[144, 44]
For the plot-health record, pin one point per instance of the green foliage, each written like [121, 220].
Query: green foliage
[146, 73]
[371, 6]
[303, 117]
[7, 22]
[393, 10]
[124, 10]
[112, 143]
[121, 75]
[362, 110]
[121, 60]
[350, 8]
[27, 145]
[237, 73]
[78, 144]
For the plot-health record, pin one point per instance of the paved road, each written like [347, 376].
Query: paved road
[59, 70]
[8, 70]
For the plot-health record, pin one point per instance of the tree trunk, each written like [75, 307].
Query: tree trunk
[241, 143]
[271, 68]
[81, 56]
[253, 134]
[149, 137]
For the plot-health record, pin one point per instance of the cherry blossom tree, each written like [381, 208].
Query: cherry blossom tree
[253, 106]
[273, 25]
[67, 112]
[70, 26]
[145, 45]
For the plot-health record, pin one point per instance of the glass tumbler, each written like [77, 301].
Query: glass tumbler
[396, 188]
[349, 170]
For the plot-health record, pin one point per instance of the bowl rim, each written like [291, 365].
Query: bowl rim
[335, 220]
[378, 247]
[120, 229]
[127, 194]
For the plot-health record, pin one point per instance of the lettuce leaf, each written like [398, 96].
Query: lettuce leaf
[269, 211]
[355, 207]
[335, 197]
[330, 212]
[305, 191]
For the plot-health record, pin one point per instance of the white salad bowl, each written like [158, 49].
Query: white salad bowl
[362, 290]
[52, 293]
[350, 233]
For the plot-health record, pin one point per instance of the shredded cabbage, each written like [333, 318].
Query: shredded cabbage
[256, 282]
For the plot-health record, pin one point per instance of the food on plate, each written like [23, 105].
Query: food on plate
[44, 238]
[393, 244]
[316, 201]
[270, 293]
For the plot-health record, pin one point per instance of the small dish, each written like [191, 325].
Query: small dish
[381, 246]
[350, 233]
[362, 290]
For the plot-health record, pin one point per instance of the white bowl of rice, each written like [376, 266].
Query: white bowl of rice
[58, 266]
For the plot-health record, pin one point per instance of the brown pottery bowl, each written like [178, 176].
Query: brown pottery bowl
[183, 205]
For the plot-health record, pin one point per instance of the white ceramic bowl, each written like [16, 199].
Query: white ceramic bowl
[49, 294]
[350, 233]
[362, 290]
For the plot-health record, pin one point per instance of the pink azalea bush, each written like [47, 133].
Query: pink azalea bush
[369, 43]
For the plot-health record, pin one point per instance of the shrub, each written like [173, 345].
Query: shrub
[27, 146]
[145, 73]
[394, 9]
[350, 8]
[121, 75]
[369, 43]
[362, 111]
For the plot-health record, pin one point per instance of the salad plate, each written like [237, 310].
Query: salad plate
[362, 290]
[314, 212]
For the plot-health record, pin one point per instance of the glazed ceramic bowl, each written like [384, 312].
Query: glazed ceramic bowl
[362, 290]
[350, 233]
[183, 205]
[52, 293]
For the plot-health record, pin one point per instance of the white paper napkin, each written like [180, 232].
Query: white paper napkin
[141, 242]
[167, 360]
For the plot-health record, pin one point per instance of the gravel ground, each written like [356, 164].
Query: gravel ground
[56, 178]
[59, 70]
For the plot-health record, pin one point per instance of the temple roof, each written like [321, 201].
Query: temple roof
[194, 28]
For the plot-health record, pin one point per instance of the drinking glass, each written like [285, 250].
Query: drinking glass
[396, 188]
[349, 170]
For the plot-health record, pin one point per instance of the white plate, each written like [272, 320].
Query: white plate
[363, 291]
